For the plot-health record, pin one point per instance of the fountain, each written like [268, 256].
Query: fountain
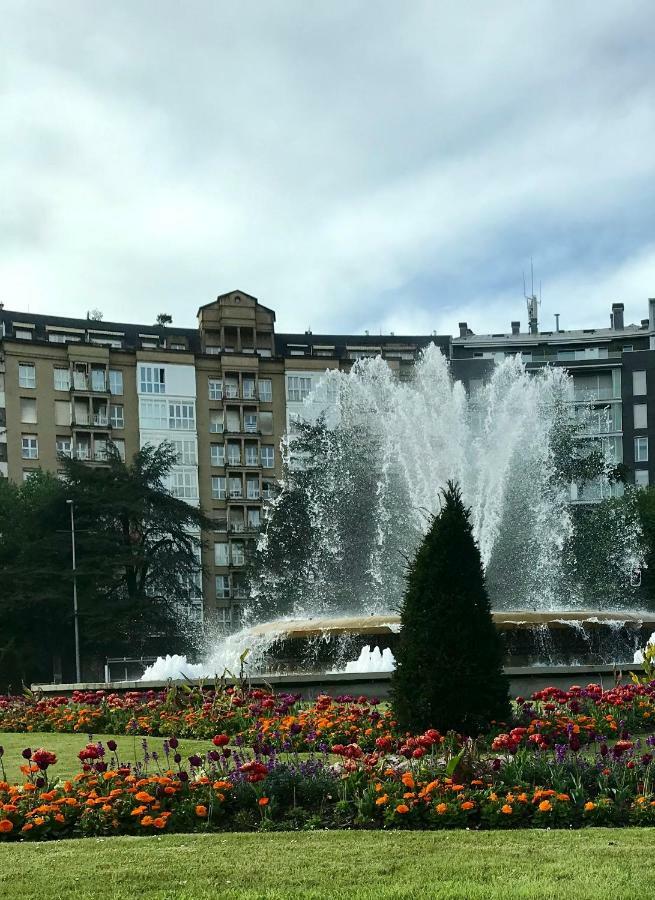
[364, 471]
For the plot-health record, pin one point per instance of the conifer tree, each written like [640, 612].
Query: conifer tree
[449, 660]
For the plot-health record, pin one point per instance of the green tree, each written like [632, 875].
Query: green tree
[449, 659]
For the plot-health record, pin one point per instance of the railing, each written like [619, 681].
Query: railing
[101, 420]
[83, 453]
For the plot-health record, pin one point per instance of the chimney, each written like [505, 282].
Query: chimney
[464, 329]
[644, 322]
[516, 327]
[617, 316]
[651, 313]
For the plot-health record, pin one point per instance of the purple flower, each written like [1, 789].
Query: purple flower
[27, 753]
[173, 743]
[112, 745]
[195, 760]
[183, 776]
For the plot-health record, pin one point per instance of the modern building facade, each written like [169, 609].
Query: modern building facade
[226, 392]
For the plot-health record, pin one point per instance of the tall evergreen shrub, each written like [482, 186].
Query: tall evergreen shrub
[449, 661]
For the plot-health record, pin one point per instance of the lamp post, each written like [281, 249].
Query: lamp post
[78, 669]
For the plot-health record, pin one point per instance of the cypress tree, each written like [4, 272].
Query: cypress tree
[449, 660]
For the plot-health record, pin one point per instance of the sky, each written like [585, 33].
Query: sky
[354, 165]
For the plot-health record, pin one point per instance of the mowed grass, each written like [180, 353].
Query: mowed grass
[67, 746]
[593, 863]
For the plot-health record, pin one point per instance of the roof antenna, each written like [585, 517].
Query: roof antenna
[532, 302]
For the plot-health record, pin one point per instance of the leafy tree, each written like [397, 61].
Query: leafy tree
[449, 657]
[164, 319]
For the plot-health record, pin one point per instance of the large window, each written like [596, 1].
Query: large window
[217, 454]
[268, 457]
[153, 380]
[154, 414]
[29, 446]
[231, 388]
[641, 449]
[116, 382]
[250, 423]
[116, 415]
[221, 554]
[216, 421]
[248, 388]
[238, 555]
[26, 375]
[222, 593]
[186, 453]
[639, 383]
[252, 488]
[234, 454]
[218, 487]
[28, 410]
[298, 387]
[64, 446]
[62, 379]
[183, 484]
[641, 477]
[119, 444]
[182, 416]
[236, 488]
[641, 415]
[265, 390]
[215, 389]
[98, 379]
[252, 455]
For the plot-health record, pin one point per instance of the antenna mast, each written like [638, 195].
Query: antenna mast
[532, 302]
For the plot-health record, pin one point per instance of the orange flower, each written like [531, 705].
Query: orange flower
[159, 822]
[144, 797]
[147, 820]
[201, 811]
[6, 826]
[466, 805]
[441, 808]
[507, 809]
[263, 801]
[589, 806]
[382, 800]
[545, 806]
[402, 808]
[408, 780]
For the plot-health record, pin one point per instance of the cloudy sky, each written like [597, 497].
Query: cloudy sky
[354, 165]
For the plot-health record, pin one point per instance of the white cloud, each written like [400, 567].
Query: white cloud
[353, 171]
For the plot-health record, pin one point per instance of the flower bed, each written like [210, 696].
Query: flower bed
[569, 759]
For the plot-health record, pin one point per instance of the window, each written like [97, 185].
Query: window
[249, 388]
[64, 446]
[28, 410]
[233, 421]
[641, 477]
[83, 450]
[153, 414]
[252, 455]
[62, 412]
[98, 379]
[627, 348]
[119, 444]
[234, 454]
[62, 379]
[116, 382]
[641, 449]
[236, 488]
[183, 484]
[298, 387]
[641, 415]
[254, 520]
[222, 593]
[639, 383]
[153, 380]
[216, 422]
[221, 554]
[231, 388]
[23, 334]
[266, 422]
[268, 457]
[116, 416]
[268, 490]
[215, 389]
[181, 416]
[252, 488]
[26, 375]
[29, 473]
[29, 446]
[250, 423]
[186, 453]
[218, 487]
[238, 555]
[217, 454]
[265, 390]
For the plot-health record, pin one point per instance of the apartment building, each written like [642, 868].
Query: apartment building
[227, 391]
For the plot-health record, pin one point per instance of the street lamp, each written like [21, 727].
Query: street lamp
[78, 670]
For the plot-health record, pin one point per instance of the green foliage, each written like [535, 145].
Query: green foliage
[137, 554]
[449, 657]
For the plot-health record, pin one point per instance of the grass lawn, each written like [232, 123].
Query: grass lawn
[67, 746]
[593, 863]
